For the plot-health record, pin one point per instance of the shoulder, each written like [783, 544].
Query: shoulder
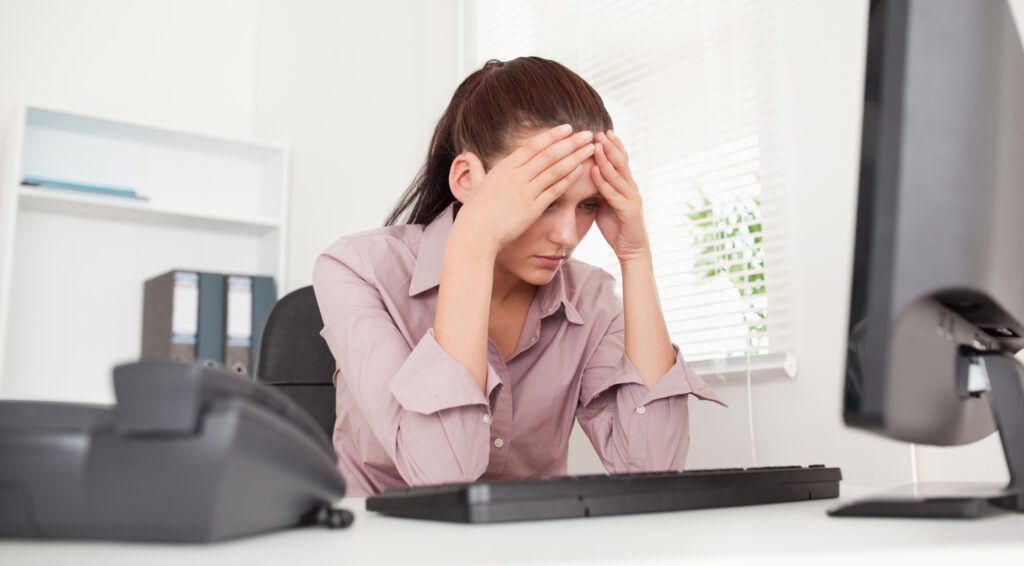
[374, 250]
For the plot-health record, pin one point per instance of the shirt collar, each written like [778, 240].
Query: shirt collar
[430, 259]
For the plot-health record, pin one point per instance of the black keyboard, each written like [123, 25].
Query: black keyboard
[604, 494]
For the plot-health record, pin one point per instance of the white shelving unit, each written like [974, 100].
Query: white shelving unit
[72, 264]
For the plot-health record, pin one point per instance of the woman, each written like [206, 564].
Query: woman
[467, 340]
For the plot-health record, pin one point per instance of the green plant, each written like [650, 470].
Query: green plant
[729, 231]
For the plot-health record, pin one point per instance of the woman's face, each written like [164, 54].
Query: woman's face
[556, 232]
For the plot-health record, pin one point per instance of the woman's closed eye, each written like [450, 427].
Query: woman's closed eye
[584, 206]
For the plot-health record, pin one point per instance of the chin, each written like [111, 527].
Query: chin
[541, 276]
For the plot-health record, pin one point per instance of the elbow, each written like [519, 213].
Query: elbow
[441, 470]
[418, 477]
[435, 459]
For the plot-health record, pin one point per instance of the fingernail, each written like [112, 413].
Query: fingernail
[590, 149]
[564, 128]
[587, 135]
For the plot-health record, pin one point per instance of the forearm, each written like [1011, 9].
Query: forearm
[648, 345]
[464, 301]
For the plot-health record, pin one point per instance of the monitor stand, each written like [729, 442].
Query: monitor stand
[962, 500]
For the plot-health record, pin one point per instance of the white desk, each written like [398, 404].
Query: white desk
[789, 532]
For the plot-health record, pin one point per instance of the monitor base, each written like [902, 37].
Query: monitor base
[936, 500]
[951, 500]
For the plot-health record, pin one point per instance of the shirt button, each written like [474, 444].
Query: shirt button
[641, 410]
[499, 442]
[487, 419]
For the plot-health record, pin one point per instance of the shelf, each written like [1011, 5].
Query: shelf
[47, 200]
[73, 263]
[182, 171]
[54, 116]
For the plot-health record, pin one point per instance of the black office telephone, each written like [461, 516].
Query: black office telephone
[188, 453]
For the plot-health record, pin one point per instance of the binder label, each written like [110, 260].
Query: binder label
[185, 319]
[239, 330]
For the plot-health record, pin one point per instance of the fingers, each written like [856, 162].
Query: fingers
[537, 143]
[609, 171]
[610, 193]
[615, 154]
[554, 153]
[618, 143]
[554, 191]
[566, 165]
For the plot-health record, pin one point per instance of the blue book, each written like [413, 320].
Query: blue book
[35, 181]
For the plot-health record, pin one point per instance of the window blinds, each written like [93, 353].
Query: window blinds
[691, 86]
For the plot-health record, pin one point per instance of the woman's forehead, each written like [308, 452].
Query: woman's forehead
[584, 187]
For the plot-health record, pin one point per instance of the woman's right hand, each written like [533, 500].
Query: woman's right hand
[506, 200]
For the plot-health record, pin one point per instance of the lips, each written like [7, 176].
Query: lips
[549, 262]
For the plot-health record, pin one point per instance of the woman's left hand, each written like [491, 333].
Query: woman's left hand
[621, 222]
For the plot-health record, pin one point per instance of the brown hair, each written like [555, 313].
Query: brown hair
[489, 110]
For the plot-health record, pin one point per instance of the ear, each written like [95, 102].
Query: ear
[466, 172]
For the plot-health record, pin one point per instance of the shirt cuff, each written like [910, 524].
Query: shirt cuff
[678, 380]
[432, 380]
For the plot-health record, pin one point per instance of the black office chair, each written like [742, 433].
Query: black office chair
[294, 357]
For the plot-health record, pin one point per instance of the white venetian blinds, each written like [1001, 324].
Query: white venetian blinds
[691, 87]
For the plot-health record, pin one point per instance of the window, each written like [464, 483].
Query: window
[691, 88]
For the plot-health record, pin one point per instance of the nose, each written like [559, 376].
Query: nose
[564, 232]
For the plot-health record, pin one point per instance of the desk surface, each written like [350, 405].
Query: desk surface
[794, 532]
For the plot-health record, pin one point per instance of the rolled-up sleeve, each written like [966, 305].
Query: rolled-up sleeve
[635, 428]
[423, 405]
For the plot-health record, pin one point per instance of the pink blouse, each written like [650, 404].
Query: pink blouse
[410, 414]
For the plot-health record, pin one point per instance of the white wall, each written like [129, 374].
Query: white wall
[190, 63]
[356, 88]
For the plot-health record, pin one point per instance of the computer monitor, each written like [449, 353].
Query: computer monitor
[937, 301]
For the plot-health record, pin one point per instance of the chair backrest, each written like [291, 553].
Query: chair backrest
[294, 357]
